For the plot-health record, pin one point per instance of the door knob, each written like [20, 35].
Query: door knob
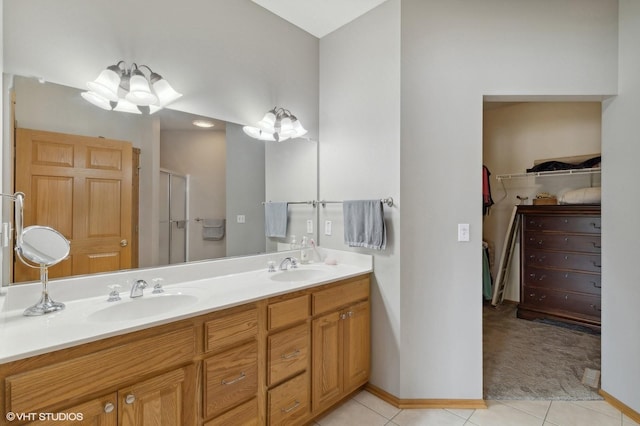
[124, 243]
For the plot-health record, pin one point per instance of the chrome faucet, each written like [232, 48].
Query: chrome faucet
[137, 287]
[292, 261]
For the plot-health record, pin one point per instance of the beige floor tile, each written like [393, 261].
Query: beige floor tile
[427, 417]
[535, 408]
[601, 406]
[626, 421]
[498, 414]
[376, 404]
[465, 413]
[566, 413]
[352, 413]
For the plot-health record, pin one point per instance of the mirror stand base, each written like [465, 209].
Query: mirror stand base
[44, 306]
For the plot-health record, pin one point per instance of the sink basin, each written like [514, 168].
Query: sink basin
[141, 307]
[298, 275]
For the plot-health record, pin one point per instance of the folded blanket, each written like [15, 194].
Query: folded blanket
[275, 219]
[364, 224]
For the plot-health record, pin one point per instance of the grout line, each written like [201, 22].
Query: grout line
[371, 409]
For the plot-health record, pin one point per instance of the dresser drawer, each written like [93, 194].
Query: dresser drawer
[288, 353]
[230, 378]
[289, 403]
[582, 305]
[562, 280]
[230, 329]
[577, 224]
[243, 415]
[287, 312]
[564, 242]
[575, 261]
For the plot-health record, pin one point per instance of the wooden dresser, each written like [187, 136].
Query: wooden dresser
[560, 263]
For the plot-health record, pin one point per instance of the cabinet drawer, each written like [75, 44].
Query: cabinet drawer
[564, 242]
[583, 305]
[288, 312]
[341, 295]
[289, 402]
[243, 415]
[562, 280]
[288, 353]
[575, 261]
[578, 224]
[230, 378]
[92, 373]
[230, 329]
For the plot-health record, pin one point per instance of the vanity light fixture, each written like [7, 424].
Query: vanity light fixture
[128, 89]
[278, 125]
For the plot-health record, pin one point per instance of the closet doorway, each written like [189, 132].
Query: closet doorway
[541, 359]
[173, 217]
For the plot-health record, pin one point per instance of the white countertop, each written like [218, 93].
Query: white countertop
[210, 284]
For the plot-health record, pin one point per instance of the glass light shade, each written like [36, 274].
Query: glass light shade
[166, 94]
[126, 106]
[298, 129]
[256, 133]
[97, 100]
[139, 90]
[286, 128]
[268, 122]
[107, 83]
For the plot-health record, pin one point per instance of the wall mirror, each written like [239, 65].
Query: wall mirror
[209, 184]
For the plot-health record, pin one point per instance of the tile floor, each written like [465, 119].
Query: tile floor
[367, 410]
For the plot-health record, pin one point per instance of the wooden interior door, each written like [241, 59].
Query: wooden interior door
[82, 187]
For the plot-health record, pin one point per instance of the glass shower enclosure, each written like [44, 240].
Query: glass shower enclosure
[173, 217]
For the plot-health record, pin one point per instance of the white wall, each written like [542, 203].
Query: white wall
[201, 154]
[359, 153]
[620, 227]
[517, 134]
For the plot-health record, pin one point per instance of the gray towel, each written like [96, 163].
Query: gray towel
[213, 229]
[364, 224]
[275, 219]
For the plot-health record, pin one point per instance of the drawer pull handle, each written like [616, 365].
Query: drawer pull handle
[596, 265]
[291, 355]
[109, 407]
[595, 308]
[596, 285]
[242, 376]
[596, 245]
[542, 277]
[130, 399]
[566, 258]
[595, 225]
[295, 405]
[544, 296]
[566, 297]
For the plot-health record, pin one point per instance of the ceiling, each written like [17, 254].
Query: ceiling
[319, 17]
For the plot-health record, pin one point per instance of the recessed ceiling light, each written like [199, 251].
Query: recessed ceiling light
[203, 123]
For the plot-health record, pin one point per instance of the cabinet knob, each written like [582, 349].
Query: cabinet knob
[130, 399]
[343, 316]
[109, 407]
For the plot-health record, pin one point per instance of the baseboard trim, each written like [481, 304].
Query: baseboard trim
[626, 410]
[424, 403]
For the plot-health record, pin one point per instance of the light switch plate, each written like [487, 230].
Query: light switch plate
[240, 218]
[327, 227]
[309, 226]
[463, 232]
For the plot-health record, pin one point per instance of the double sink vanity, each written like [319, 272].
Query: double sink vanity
[225, 342]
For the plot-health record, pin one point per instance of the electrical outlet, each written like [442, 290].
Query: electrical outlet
[327, 227]
[240, 218]
[463, 232]
[309, 226]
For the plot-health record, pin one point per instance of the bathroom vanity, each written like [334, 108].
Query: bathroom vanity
[285, 354]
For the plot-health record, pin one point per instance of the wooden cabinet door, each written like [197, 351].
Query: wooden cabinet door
[80, 186]
[160, 401]
[357, 346]
[327, 383]
[97, 412]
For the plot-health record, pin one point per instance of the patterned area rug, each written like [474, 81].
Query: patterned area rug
[536, 360]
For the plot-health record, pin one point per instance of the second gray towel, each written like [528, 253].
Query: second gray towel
[275, 219]
[364, 224]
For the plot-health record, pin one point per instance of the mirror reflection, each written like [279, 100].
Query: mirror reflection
[146, 190]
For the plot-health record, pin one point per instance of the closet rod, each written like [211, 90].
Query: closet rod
[388, 201]
[312, 202]
[550, 173]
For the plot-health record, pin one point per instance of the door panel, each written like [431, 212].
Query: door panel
[80, 186]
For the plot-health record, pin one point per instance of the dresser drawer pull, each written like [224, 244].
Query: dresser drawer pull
[242, 376]
[290, 409]
[291, 355]
[596, 265]
[544, 296]
[566, 297]
[542, 277]
[595, 308]
[595, 225]
[596, 285]
[596, 245]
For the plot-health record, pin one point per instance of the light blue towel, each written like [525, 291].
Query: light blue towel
[364, 224]
[275, 219]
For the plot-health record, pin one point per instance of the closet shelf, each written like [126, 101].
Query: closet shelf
[550, 173]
